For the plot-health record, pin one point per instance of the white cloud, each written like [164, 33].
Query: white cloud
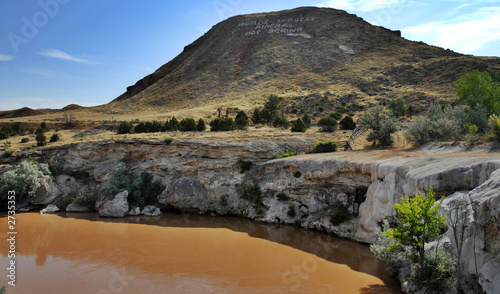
[4, 57]
[54, 53]
[362, 5]
[40, 71]
[470, 33]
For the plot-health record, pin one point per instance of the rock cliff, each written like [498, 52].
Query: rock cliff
[303, 190]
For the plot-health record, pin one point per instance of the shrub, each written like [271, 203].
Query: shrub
[56, 165]
[494, 123]
[328, 124]
[187, 125]
[221, 125]
[169, 141]
[341, 109]
[25, 140]
[347, 123]
[381, 124]
[4, 134]
[336, 115]
[256, 117]
[18, 128]
[341, 214]
[280, 121]
[282, 197]
[86, 197]
[287, 153]
[299, 126]
[25, 180]
[241, 120]
[295, 110]
[54, 138]
[291, 211]
[328, 146]
[201, 127]
[271, 109]
[7, 153]
[472, 136]
[394, 259]
[245, 165]
[174, 124]
[252, 194]
[125, 128]
[439, 271]
[478, 87]
[41, 140]
[398, 107]
[307, 120]
[44, 127]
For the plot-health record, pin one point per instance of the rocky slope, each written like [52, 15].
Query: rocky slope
[298, 52]
[202, 177]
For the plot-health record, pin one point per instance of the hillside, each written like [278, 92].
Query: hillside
[296, 53]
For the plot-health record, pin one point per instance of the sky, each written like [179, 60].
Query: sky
[59, 52]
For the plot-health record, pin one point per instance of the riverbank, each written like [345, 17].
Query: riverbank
[306, 190]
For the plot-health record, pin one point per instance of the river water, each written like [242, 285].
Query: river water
[179, 253]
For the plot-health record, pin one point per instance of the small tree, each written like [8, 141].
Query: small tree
[125, 127]
[420, 223]
[174, 124]
[298, 126]
[54, 138]
[41, 139]
[381, 124]
[201, 126]
[347, 123]
[241, 120]
[307, 120]
[187, 125]
[328, 124]
[478, 87]
[256, 119]
[398, 107]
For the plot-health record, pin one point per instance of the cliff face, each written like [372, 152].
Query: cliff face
[204, 178]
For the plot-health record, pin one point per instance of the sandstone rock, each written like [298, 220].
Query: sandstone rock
[151, 210]
[46, 193]
[135, 211]
[118, 207]
[75, 207]
[51, 208]
[185, 192]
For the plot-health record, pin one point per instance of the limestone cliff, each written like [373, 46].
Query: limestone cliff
[303, 190]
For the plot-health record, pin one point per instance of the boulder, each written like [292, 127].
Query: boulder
[135, 211]
[46, 193]
[117, 207]
[185, 192]
[75, 207]
[51, 208]
[151, 210]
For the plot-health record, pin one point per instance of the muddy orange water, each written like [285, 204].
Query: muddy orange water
[174, 253]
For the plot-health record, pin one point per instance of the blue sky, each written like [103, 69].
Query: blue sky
[57, 52]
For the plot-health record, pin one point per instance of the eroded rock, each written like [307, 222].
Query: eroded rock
[117, 207]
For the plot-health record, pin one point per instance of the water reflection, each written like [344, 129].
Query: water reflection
[177, 254]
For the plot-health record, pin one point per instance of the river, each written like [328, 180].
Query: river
[182, 253]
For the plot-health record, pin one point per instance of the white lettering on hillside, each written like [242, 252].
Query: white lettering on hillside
[289, 26]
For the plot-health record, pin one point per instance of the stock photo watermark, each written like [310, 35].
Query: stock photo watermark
[11, 237]
[31, 25]
[293, 278]
[118, 282]
[224, 7]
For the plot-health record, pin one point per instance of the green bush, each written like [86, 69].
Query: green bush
[25, 180]
[245, 165]
[287, 153]
[125, 127]
[56, 165]
[241, 120]
[347, 123]
[341, 109]
[86, 197]
[336, 115]
[392, 259]
[439, 271]
[25, 140]
[222, 125]
[291, 211]
[341, 214]
[328, 124]
[299, 126]
[54, 138]
[41, 140]
[398, 107]
[201, 127]
[252, 194]
[187, 125]
[280, 121]
[307, 120]
[168, 141]
[174, 124]
[328, 146]
[494, 123]
[7, 153]
[381, 124]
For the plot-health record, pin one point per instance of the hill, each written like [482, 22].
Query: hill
[297, 53]
[22, 112]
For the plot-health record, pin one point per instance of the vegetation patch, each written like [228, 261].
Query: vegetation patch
[245, 165]
[328, 146]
